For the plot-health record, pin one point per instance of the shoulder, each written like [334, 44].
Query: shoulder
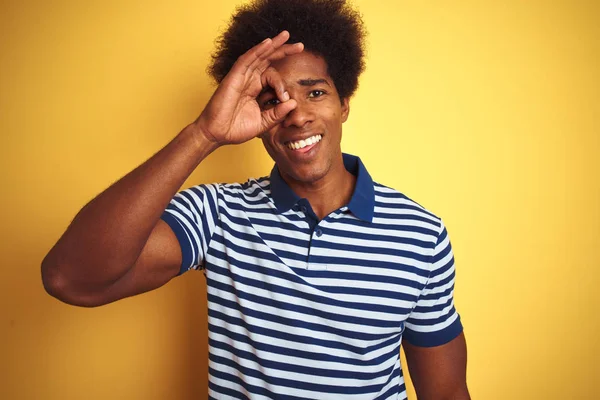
[387, 198]
[251, 192]
[253, 189]
[393, 204]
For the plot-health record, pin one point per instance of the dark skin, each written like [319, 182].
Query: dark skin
[439, 373]
[117, 246]
[318, 175]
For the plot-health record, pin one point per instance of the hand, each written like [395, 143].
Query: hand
[233, 115]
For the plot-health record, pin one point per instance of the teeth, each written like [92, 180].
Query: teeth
[303, 143]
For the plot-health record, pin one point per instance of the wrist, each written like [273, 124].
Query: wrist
[199, 140]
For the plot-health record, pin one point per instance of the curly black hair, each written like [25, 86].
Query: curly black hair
[331, 29]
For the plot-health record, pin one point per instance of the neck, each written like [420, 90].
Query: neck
[327, 194]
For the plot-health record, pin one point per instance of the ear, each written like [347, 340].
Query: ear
[345, 109]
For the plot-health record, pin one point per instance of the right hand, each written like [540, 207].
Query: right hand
[233, 115]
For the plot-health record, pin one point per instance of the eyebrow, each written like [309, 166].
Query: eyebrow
[312, 82]
[301, 82]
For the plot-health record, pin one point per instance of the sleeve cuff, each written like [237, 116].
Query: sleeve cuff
[184, 242]
[432, 339]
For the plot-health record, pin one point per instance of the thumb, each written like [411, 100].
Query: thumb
[275, 115]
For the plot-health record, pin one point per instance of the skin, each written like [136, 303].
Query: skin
[319, 175]
[117, 246]
[439, 373]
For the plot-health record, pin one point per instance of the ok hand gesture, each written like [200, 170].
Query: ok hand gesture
[233, 115]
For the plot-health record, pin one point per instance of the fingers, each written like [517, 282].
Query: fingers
[262, 50]
[278, 47]
[275, 115]
[251, 56]
[286, 50]
[280, 39]
[272, 79]
[260, 56]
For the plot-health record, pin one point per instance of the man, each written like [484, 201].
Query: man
[315, 274]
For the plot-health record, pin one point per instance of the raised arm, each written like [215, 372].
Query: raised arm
[117, 246]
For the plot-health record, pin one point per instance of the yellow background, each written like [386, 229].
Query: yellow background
[487, 113]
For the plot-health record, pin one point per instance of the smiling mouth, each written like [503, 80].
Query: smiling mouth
[300, 144]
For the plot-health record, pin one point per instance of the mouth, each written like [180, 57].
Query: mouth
[304, 144]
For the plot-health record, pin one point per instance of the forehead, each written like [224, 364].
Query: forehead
[303, 65]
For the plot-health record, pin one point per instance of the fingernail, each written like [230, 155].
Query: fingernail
[286, 96]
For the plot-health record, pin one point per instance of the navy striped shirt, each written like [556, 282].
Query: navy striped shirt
[305, 309]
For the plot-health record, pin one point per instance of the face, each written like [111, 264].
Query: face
[306, 144]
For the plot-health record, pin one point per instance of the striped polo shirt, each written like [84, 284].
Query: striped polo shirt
[305, 309]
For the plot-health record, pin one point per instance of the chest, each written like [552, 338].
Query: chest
[335, 274]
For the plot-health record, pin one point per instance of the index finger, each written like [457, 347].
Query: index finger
[259, 52]
[280, 39]
[286, 50]
[263, 58]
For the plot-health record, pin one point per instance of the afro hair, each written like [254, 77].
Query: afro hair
[331, 29]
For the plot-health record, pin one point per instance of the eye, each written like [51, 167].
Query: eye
[271, 102]
[316, 93]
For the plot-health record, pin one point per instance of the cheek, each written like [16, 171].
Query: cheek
[268, 145]
[334, 117]
[268, 138]
[332, 111]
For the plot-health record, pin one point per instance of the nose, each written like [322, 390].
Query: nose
[300, 116]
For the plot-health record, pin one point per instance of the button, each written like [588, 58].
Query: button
[296, 208]
[303, 209]
[319, 233]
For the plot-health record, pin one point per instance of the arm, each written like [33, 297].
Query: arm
[439, 373]
[117, 246]
[93, 262]
[434, 341]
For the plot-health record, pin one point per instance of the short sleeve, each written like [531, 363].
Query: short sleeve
[193, 215]
[434, 320]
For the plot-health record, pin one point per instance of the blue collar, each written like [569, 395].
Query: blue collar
[361, 204]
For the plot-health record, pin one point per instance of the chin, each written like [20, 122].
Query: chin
[306, 173]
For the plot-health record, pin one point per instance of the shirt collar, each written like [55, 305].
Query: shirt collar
[362, 203]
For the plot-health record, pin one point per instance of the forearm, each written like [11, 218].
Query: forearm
[108, 234]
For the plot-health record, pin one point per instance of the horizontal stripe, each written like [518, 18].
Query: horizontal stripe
[337, 346]
[303, 309]
[295, 353]
[308, 384]
[285, 281]
[312, 372]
